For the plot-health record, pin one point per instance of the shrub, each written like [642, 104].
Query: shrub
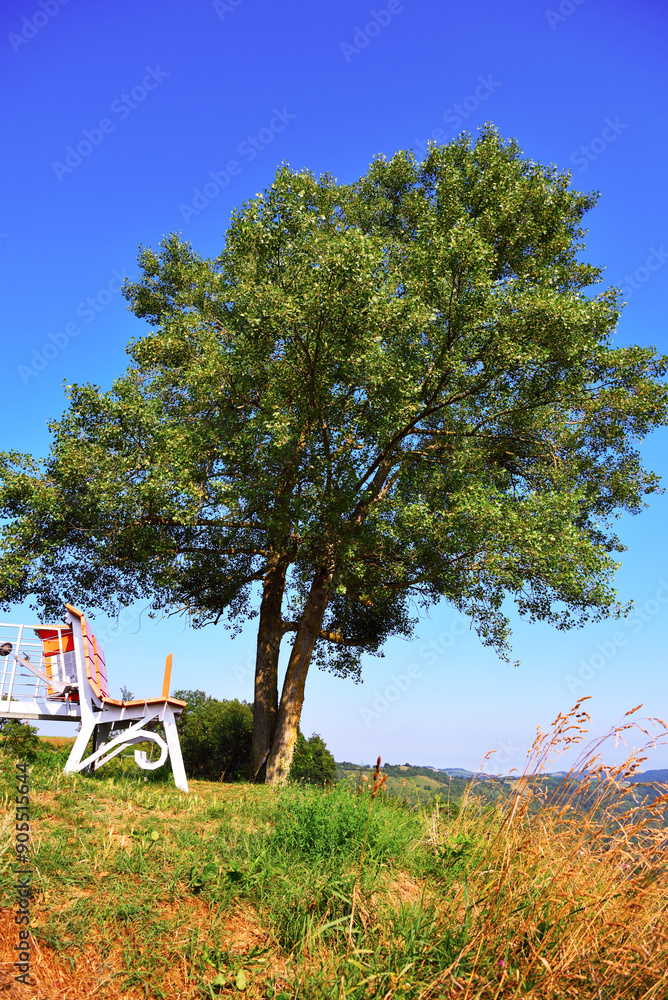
[216, 740]
[312, 761]
[18, 739]
[215, 737]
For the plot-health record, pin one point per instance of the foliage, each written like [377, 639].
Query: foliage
[195, 701]
[454, 348]
[215, 737]
[312, 761]
[18, 739]
[216, 742]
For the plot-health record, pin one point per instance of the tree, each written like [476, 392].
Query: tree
[215, 736]
[18, 739]
[312, 761]
[378, 396]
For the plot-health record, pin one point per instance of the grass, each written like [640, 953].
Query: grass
[242, 891]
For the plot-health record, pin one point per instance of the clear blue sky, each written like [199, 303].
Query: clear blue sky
[115, 119]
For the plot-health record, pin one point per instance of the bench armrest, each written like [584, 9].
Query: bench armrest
[52, 682]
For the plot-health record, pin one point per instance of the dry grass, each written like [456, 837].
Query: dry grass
[235, 890]
[566, 902]
[186, 924]
[58, 741]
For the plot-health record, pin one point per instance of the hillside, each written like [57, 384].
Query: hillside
[660, 776]
[140, 891]
[419, 785]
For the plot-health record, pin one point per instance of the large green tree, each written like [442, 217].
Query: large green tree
[379, 395]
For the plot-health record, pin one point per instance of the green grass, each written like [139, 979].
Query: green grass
[241, 890]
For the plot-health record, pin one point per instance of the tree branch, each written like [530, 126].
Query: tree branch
[335, 637]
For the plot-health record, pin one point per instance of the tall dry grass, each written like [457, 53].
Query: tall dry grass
[564, 892]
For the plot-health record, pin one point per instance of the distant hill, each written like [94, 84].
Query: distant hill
[419, 783]
[456, 772]
[656, 776]
[660, 776]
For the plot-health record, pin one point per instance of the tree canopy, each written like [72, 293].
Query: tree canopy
[380, 395]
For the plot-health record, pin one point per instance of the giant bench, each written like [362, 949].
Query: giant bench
[58, 672]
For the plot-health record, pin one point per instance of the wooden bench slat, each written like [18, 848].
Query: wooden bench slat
[145, 701]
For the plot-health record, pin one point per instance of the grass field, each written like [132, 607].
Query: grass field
[242, 891]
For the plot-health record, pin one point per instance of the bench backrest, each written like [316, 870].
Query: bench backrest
[93, 657]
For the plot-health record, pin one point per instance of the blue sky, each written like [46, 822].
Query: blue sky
[123, 124]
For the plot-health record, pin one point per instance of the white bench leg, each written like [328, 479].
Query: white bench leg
[175, 756]
[79, 747]
[100, 737]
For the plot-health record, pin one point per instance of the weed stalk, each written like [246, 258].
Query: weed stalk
[378, 782]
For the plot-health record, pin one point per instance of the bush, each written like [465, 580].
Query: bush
[216, 741]
[18, 739]
[216, 737]
[312, 761]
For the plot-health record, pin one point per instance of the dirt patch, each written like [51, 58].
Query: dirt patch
[55, 975]
[398, 889]
[243, 932]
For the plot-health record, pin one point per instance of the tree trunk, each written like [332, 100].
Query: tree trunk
[265, 703]
[292, 697]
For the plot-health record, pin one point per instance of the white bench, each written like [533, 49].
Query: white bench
[52, 672]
